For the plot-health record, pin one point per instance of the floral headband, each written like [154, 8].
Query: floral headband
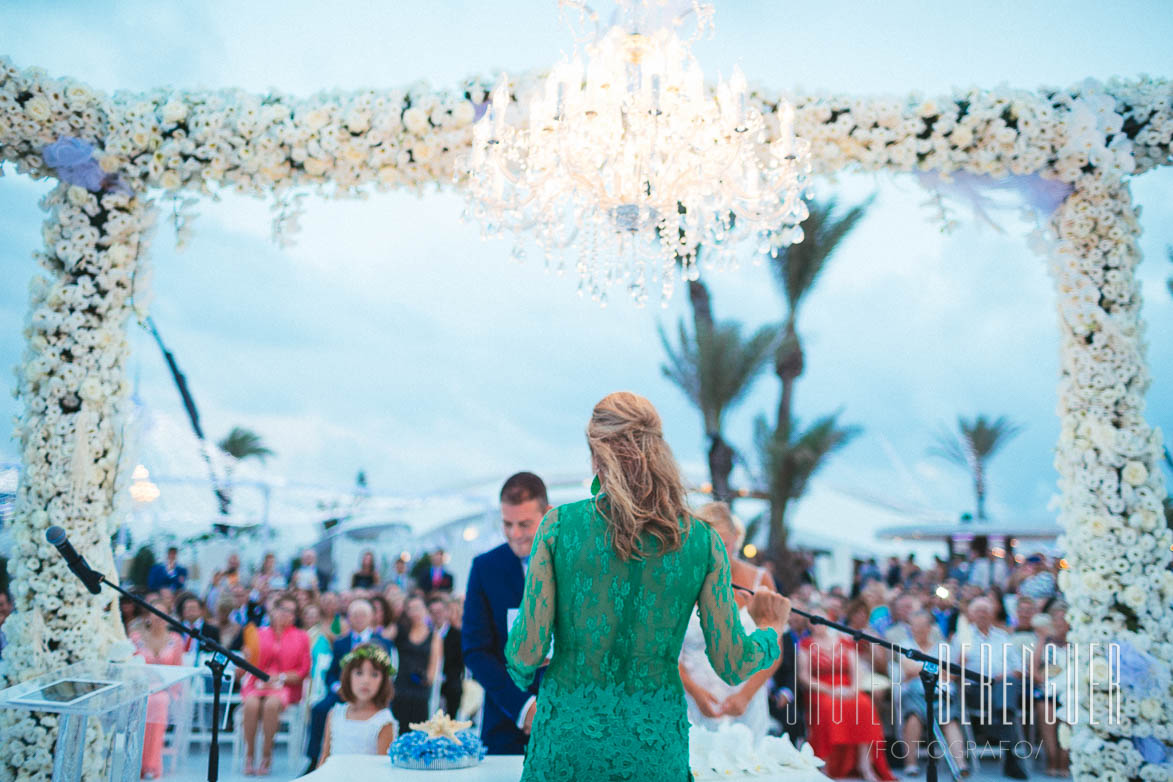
[376, 654]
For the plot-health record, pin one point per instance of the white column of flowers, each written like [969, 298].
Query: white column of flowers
[72, 383]
[1116, 540]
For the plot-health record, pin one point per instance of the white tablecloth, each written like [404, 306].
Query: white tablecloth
[495, 768]
[371, 768]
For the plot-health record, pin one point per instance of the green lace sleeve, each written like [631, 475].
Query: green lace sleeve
[529, 638]
[735, 656]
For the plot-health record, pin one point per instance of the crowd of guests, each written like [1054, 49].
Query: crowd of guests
[383, 652]
[389, 648]
[848, 697]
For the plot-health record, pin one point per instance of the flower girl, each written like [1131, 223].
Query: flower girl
[362, 724]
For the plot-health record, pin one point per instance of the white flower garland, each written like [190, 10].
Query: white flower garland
[1089, 138]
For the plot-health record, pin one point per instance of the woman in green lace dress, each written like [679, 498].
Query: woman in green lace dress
[612, 581]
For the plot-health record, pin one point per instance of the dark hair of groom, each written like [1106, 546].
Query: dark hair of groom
[523, 487]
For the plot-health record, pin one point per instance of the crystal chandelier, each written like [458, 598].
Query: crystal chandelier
[622, 163]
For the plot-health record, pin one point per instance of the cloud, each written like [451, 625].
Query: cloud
[391, 338]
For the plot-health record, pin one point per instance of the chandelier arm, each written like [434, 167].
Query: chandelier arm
[704, 18]
[586, 13]
[579, 171]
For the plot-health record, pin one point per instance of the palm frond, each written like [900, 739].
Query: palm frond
[243, 444]
[1169, 282]
[797, 266]
[975, 440]
[716, 366]
[952, 447]
[790, 465]
[987, 437]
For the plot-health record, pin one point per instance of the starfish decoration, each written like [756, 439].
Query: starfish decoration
[441, 725]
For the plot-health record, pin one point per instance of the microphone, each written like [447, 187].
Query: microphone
[76, 562]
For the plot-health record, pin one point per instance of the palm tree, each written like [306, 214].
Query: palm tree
[789, 457]
[972, 446]
[1169, 282]
[240, 444]
[714, 366]
[796, 268]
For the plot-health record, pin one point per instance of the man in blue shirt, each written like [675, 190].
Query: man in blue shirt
[495, 587]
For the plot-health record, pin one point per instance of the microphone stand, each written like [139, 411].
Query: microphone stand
[930, 670]
[218, 660]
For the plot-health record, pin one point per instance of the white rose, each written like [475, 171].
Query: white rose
[315, 166]
[78, 93]
[78, 196]
[961, 136]
[463, 114]
[1144, 519]
[170, 180]
[1134, 596]
[119, 254]
[91, 390]
[1150, 708]
[1064, 580]
[416, 121]
[1100, 671]
[1135, 473]
[38, 109]
[928, 108]
[422, 152]
[174, 112]
[1097, 527]
[317, 119]
[358, 121]
[388, 175]
[1092, 582]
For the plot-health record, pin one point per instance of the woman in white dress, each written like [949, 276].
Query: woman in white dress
[711, 702]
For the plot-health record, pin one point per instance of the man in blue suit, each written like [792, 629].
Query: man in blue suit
[495, 587]
[167, 575]
[358, 615]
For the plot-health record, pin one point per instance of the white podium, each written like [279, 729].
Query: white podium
[107, 697]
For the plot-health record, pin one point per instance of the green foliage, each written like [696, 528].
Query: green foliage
[1169, 282]
[789, 457]
[972, 446]
[789, 464]
[715, 367]
[244, 444]
[797, 266]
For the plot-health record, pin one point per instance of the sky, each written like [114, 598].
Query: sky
[391, 339]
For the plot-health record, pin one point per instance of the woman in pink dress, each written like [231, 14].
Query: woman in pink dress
[158, 646]
[284, 654]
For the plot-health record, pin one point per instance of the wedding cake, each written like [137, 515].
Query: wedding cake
[732, 753]
[438, 744]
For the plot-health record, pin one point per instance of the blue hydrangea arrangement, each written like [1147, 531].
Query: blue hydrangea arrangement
[419, 751]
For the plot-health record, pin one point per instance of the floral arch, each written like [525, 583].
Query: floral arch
[122, 157]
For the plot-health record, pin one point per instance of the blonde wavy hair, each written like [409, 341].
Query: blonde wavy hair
[639, 476]
[719, 516]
